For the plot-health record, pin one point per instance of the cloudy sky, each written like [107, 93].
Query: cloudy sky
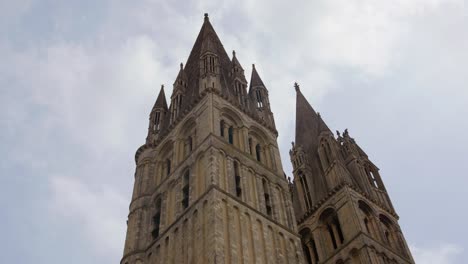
[78, 79]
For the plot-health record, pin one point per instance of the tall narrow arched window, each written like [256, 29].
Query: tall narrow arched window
[221, 128]
[168, 167]
[258, 94]
[237, 179]
[368, 219]
[305, 187]
[332, 235]
[266, 194]
[157, 121]
[156, 219]
[250, 146]
[231, 135]
[309, 246]
[329, 219]
[258, 150]
[186, 189]
[326, 157]
[189, 144]
[373, 179]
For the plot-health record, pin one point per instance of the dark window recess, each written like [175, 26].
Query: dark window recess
[267, 204]
[185, 190]
[168, 167]
[332, 236]
[156, 220]
[221, 128]
[231, 135]
[258, 149]
[190, 144]
[314, 248]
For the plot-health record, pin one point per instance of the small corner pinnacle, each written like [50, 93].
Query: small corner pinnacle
[181, 65]
[162, 86]
[253, 65]
[233, 53]
[206, 17]
[296, 86]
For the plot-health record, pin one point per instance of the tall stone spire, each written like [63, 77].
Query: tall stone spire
[255, 79]
[157, 119]
[307, 120]
[161, 100]
[207, 43]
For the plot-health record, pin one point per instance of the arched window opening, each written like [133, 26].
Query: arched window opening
[258, 94]
[258, 150]
[221, 128]
[307, 254]
[168, 167]
[368, 216]
[189, 144]
[231, 135]
[186, 189]
[366, 223]
[326, 158]
[156, 219]
[305, 187]
[338, 229]
[237, 179]
[331, 223]
[157, 121]
[250, 146]
[332, 236]
[266, 194]
[314, 250]
[373, 179]
[309, 246]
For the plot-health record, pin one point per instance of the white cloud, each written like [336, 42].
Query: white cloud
[441, 254]
[99, 212]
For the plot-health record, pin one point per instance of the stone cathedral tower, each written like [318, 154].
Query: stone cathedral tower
[343, 210]
[209, 183]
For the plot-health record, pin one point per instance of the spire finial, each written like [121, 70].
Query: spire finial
[162, 86]
[181, 65]
[253, 65]
[206, 17]
[233, 53]
[296, 85]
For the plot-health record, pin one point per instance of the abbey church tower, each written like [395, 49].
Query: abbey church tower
[210, 187]
[343, 210]
[209, 183]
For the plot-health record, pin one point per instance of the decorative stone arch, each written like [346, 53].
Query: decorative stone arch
[267, 196]
[258, 145]
[391, 233]
[326, 151]
[331, 228]
[165, 164]
[231, 123]
[368, 218]
[309, 246]
[200, 173]
[373, 176]
[187, 137]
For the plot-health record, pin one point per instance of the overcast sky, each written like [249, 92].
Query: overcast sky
[78, 80]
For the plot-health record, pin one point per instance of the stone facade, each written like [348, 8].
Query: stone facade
[210, 187]
[343, 210]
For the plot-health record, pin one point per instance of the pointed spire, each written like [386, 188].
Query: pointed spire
[307, 120]
[182, 76]
[161, 100]
[255, 80]
[207, 40]
[235, 61]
